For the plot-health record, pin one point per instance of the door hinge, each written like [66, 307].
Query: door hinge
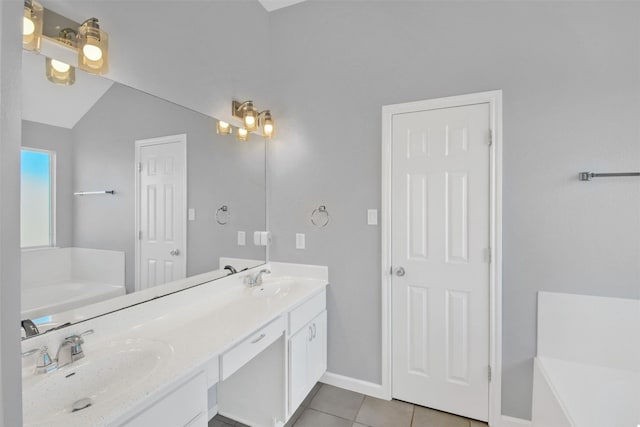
[140, 235]
[139, 166]
[490, 137]
[489, 373]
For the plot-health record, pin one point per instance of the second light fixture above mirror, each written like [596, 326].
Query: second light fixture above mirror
[251, 119]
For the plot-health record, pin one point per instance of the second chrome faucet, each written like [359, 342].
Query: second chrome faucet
[69, 351]
[256, 280]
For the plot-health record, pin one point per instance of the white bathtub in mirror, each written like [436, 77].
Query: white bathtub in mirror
[61, 279]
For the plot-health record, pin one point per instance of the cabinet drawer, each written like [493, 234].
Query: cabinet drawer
[303, 314]
[235, 358]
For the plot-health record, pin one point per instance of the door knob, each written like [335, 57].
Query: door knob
[399, 271]
[174, 252]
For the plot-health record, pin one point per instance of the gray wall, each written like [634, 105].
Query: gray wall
[219, 171]
[570, 73]
[60, 140]
[10, 84]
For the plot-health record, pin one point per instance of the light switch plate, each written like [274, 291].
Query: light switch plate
[265, 238]
[372, 216]
[192, 214]
[300, 241]
[242, 238]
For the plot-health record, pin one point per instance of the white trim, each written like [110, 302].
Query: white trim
[171, 139]
[507, 421]
[353, 384]
[494, 99]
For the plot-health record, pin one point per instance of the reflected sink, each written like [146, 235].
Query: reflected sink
[48, 398]
[272, 288]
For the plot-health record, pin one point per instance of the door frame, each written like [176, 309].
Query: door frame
[139, 143]
[494, 99]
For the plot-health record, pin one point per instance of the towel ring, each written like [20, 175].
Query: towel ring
[223, 215]
[320, 216]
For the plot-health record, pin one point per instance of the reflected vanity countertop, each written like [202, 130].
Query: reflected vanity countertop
[197, 325]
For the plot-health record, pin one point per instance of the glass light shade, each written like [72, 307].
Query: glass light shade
[250, 118]
[93, 48]
[60, 73]
[223, 128]
[267, 126]
[242, 135]
[32, 25]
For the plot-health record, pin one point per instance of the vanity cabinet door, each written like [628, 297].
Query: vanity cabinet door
[298, 367]
[317, 353]
[307, 359]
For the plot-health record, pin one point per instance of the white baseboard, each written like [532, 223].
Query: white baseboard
[353, 384]
[213, 411]
[507, 421]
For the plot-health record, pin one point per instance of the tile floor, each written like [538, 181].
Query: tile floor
[328, 406]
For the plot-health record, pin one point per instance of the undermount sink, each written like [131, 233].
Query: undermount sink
[272, 288]
[120, 365]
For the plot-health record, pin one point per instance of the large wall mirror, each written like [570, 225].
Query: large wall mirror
[122, 194]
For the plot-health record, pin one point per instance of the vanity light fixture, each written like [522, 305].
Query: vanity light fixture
[223, 128]
[93, 47]
[32, 25]
[59, 72]
[251, 120]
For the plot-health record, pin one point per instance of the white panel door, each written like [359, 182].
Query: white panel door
[161, 210]
[439, 252]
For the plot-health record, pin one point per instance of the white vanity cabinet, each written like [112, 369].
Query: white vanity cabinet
[307, 348]
[186, 406]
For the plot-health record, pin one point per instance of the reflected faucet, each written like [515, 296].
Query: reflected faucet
[30, 328]
[230, 269]
[256, 280]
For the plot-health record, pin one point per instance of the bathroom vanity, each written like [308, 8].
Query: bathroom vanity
[249, 353]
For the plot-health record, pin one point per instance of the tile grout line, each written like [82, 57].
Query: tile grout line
[413, 414]
[359, 408]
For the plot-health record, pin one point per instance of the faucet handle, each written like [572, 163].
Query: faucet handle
[44, 364]
[76, 342]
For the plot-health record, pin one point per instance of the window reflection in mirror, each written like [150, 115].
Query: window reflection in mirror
[37, 195]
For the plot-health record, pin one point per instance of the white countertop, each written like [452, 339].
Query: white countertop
[204, 322]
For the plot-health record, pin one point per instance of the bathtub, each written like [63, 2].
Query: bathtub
[587, 370]
[61, 279]
[45, 300]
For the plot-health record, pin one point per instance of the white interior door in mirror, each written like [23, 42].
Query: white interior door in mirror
[161, 203]
[440, 239]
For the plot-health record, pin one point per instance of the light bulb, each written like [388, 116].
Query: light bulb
[243, 134]
[92, 52]
[249, 121]
[59, 66]
[28, 27]
[268, 130]
[223, 128]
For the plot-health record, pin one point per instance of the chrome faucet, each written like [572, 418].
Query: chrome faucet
[256, 280]
[71, 349]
